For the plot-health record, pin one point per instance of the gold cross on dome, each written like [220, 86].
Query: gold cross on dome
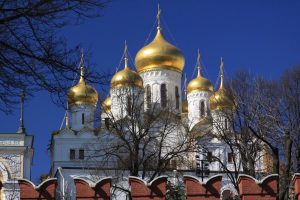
[158, 16]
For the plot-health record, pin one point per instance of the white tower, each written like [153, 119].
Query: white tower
[82, 101]
[160, 64]
[16, 154]
[221, 104]
[199, 91]
[126, 92]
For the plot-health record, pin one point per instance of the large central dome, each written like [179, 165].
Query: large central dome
[159, 54]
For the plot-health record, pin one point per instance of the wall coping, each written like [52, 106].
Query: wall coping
[40, 185]
[144, 181]
[261, 181]
[204, 182]
[91, 183]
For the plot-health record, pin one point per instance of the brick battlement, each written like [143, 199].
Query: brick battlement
[250, 188]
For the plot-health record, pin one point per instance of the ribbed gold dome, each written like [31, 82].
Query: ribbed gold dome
[126, 77]
[200, 84]
[82, 93]
[106, 105]
[220, 99]
[159, 54]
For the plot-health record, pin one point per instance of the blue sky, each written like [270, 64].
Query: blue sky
[262, 36]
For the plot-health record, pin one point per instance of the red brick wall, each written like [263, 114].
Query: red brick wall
[251, 189]
[45, 191]
[209, 190]
[296, 181]
[156, 190]
[98, 191]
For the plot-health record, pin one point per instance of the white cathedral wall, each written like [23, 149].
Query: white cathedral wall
[156, 78]
[119, 100]
[76, 116]
[219, 120]
[194, 99]
[67, 140]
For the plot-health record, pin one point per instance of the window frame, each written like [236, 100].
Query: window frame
[72, 154]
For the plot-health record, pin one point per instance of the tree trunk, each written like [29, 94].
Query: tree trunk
[284, 188]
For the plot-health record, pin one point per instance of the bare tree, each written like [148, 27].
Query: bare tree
[271, 115]
[144, 143]
[32, 54]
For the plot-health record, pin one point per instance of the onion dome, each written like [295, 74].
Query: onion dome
[203, 127]
[199, 83]
[159, 54]
[82, 93]
[126, 77]
[220, 99]
[106, 105]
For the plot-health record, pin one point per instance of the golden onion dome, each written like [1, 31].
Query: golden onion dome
[106, 105]
[199, 83]
[126, 77]
[220, 99]
[82, 93]
[159, 54]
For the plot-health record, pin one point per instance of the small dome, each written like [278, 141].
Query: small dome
[184, 106]
[199, 84]
[126, 77]
[203, 127]
[106, 105]
[221, 99]
[82, 93]
[159, 54]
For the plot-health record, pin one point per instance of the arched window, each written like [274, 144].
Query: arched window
[163, 95]
[82, 118]
[177, 97]
[129, 106]
[148, 96]
[202, 113]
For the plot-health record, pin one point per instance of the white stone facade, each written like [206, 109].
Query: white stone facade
[16, 154]
[198, 106]
[82, 116]
[155, 79]
[125, 98]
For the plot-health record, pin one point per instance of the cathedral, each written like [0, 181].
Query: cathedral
[140, 99]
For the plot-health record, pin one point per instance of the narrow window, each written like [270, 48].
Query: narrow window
[177, 97]
[209, 156]
[163, 95]
[230, 157]
[72, 154]
[82, 118]
[202, 113]
[81, 154]
[107, 122]
[226, 124]
[148, 96]
[129, 106]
